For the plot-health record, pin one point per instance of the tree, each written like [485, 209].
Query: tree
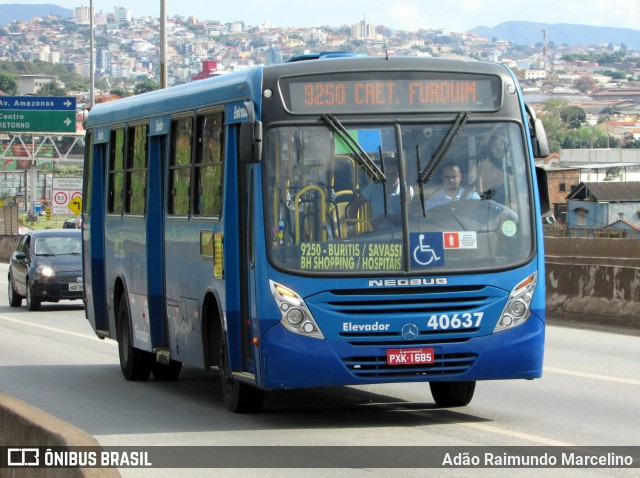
[613, 174]
[586, 137]
[145, 87]
[553, 124]
[51, 89]
[119, 91]
[585, 84]
[564, 125]
[8, 83]
[573, 116]
[632, 144]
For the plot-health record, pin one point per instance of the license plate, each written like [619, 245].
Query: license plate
[75, 287]
[410, 356]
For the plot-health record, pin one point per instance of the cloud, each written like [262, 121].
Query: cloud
[405, 13]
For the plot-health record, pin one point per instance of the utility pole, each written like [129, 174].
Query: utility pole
[544, 50]
[163, 44]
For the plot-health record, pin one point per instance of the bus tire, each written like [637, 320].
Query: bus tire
[166, 372]
[238, 397]
[452, 394]
[134, 363]
[14, 299]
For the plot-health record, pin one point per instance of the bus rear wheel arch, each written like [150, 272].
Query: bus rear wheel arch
[452, 394]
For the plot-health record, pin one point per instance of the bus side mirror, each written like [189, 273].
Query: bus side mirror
[538, 134]
[543, 189]
[539, 140]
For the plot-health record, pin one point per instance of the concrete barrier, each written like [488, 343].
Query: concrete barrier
[24, 425]
[594, 280]
[7, 246]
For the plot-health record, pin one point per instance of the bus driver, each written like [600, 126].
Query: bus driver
[451, 189]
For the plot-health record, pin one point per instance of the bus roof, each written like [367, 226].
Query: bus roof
[247, 84]
[198, 94]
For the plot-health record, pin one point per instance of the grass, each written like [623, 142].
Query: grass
[54, 222]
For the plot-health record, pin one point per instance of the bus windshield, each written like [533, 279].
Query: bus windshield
[465, 206]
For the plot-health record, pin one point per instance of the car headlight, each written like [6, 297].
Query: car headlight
[45, 271]
[295, 316]
[518, 307]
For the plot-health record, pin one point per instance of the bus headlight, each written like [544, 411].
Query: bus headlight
[518, 307]
[295, 316]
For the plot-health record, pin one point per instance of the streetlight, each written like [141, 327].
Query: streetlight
[91, 59]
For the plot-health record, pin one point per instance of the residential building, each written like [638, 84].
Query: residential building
[600, 204]
[31, 84]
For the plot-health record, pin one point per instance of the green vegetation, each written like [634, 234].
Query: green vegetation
[37, 67]
[8, 83]
[566, 128]
[600, 58]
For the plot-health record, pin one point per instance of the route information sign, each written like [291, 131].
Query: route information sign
[38, 114]
[67, 195]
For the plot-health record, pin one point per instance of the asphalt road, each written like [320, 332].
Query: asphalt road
[587, 397]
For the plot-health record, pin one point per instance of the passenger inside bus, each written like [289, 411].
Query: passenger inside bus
[383, 213]
[491, 172]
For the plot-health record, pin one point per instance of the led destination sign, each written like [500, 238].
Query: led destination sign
[441, 93]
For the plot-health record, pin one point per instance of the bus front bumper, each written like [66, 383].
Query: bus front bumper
[293, 361]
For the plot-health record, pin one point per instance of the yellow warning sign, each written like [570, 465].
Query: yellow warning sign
[75, 205]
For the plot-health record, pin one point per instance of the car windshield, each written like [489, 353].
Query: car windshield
[58, 245]
[431, 211]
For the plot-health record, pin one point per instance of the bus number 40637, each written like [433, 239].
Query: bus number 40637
[455, 321]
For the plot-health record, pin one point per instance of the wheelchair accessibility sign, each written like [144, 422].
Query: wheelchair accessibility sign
[426, 249]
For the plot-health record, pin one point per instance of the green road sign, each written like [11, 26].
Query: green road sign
[38, 114]
[30, 121]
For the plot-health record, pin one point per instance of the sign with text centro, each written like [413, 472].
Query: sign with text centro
[38, 114]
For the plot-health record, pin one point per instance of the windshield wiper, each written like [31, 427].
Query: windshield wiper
[363, 158]
[420, 183]
[427, 172]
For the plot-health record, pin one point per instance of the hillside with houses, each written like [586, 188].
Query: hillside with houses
[588, 95]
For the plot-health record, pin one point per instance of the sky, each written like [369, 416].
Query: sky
[454, 15]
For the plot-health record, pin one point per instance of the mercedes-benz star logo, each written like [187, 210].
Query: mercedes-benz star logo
[410, 331]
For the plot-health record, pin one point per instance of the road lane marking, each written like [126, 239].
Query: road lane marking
[592, 376]
[62, 331]
[515, 434]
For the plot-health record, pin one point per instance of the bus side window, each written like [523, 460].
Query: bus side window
[180, 166]
[136, 170]
[208, 167]
[116, 171]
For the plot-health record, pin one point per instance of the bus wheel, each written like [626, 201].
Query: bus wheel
[452, 394]
[166, 372]
[238, 397]
[134, 363]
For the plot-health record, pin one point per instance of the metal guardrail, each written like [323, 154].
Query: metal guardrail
[586, 232]
[60, 147]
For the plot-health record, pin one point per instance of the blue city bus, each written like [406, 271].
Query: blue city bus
[277, 224]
